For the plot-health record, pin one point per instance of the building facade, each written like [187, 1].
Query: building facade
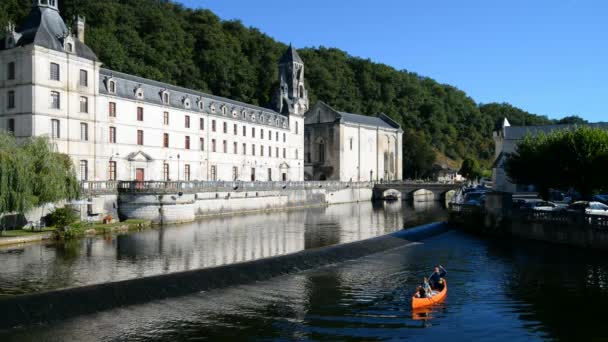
[351, 147]
[117, 126]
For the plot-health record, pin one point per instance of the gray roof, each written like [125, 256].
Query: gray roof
[126, 86]
[374, 121]
[291, 55]
[45, 27]
[519, 132]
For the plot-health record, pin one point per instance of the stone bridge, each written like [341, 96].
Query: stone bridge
[413, 191]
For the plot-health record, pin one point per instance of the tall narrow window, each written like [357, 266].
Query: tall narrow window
[202, 143]
[351, 143]
[261, 150]
[213, 125]
[112, 110]
[253, 132]
[112, 135]
[297, 127]
[321, 153]
[284, 153]
[187, 172]
[270, 151]
[244, 148]
[84, 170]
[277, 136]
[253, 149]
[213, 172]
[55, 72]
[165, 118]
[253, 174]
[213, 147]
[187, 143]
[140, 114]
[235, 129]
[55, 100]
[201, 124]
[235, 173]
[10, 72]
[244, 131]
[112, 171]
[225, 146]
[84, 78]
[140, 137]
[166, 172]
[269, 174]
[11, 126]
[187, 121]
[261, 133]
[84, 132]
[284, 137]
[165, 139]
[10, 99]
[276, 152]
[55, 129]
[235, 147]
[297, 154]
[225, 127]
[112, 87]
[84, 104]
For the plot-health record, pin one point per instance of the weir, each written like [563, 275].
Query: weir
[60, 304]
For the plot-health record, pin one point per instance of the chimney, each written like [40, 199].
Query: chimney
[79, 24]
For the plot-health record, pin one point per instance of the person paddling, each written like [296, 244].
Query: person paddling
[439, 273]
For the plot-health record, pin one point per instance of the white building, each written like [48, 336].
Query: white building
[116, 126]
[351, 147]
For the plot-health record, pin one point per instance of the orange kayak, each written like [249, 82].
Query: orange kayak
[421, 302]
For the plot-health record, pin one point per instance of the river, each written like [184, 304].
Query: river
[498, 290]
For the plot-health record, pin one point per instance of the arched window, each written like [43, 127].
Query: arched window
[166, 97]
[112, 87]
[301, 91]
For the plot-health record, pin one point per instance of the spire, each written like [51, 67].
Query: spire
[291, 56]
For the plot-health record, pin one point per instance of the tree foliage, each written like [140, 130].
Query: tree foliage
[194, 48]
[32, 175]
[471, 169]
[572, 158]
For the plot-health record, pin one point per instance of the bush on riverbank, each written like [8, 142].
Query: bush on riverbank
[62, 217]
[81, 229]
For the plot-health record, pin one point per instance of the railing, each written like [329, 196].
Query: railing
[98, 187]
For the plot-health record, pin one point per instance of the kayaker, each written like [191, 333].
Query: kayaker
[420, 292]
[441, 285]
[439, 273]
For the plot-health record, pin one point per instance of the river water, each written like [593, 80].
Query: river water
[498, 290]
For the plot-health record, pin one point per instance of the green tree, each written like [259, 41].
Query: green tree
[470, 169]
[418, 155]
[570, 158]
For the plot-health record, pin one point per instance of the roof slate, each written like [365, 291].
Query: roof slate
[519, 132]
[365, 120]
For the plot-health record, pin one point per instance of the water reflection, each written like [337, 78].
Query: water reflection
[207, 243]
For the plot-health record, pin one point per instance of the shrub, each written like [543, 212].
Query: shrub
[62, 217]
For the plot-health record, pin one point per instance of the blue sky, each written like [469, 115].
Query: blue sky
[547, 57]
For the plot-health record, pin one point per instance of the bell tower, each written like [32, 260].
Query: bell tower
[52, 4]
[292, 96]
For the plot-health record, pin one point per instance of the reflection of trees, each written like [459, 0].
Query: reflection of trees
[566, 288]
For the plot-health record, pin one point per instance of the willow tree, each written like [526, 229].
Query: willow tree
[571, 158]
[31, 174]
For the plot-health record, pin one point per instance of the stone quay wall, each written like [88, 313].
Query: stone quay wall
[498, 218]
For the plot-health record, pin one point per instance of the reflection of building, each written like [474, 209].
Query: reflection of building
[506, 138]
[119, 126]
[351, 147]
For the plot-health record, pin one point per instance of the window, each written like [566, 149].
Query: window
[10, 101]
[235, 129]
[55, 100]
[297, 127]
[297, 154]
[84, 78]
[112, 87]
[253, 149]
[84, 170]
[235, 147]
[244, 149]
[213, 125]
[55, 129]
[284, 137]
[225, 146]
[253, 132]
[69, 47]
[253, 174]
[270, 151]
[84, 132]
[224, 110]
[112, 171]
[187, 172]
[84, 104]
[276, 152]
[11, 125]
[140, 137]
[261, 133]
[213, 147]
[165, 97]
[284, 153]
[225, 127]
[10, 72]
[269, 174]
[187, 121]
[321, 153]
[201, 124]
[261, 150]
[165, 139]
[165, 118]
[202, 144]
[140, 114]
[351, 143]
[54, 72]
[166, 172]
[277, 136]
[187, 143]
[244, 131]
[112, 110]
[235, 173]
[112, 135]
[213, 172]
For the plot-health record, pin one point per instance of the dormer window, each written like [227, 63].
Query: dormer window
[224, 110]
[112, 86]
[165, 96]
[252, 117]
[200, 103]
[69, 47]
[139, 92]
[234, 112]
[186, 101]
[212, 107]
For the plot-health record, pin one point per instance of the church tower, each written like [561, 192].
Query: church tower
[291, 97]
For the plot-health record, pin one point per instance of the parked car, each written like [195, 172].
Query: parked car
[601, 198]
[590, 208]
[540, 205]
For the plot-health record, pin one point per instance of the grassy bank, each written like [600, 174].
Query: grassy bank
[24, 232]
[81, 229]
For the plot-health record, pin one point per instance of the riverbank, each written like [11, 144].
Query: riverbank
[59, 304]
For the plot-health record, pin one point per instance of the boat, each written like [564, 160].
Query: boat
[438, 297]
